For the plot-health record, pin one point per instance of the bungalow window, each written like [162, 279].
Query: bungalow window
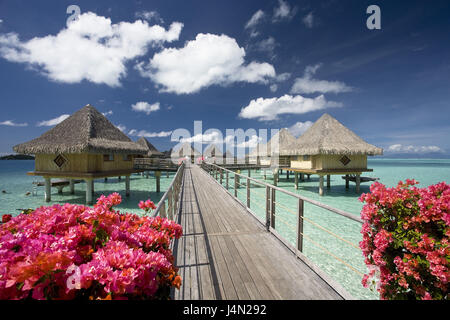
[108, 157]
[306, 158]
[126, 157]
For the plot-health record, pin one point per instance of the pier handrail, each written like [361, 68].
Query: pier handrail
[314, 202]
[270, 210]
[172, 195]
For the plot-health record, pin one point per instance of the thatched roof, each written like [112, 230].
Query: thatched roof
[86, 131]
[278, 144]
[329, 136]
[213, 151]
[151, 150]
[186, 149]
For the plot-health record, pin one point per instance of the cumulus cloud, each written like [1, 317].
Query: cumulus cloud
[53, 122]
[307, 84]
[297, 129]
[208, 60]
[107, 113]
[308, 20]
[268, 109]
[399, 148]
[11, 123]
[283, 12]
[144, 133]
[91, 48]
[145, 107]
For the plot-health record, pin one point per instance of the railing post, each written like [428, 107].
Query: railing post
[227, 178]
[300, 225]
[268, 208]
[221, 176]
[248, 193]
[170, 204]
[162, 211]
[272, 210]
[235, 184]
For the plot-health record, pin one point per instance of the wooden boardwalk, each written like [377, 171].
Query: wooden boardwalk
[225, 253]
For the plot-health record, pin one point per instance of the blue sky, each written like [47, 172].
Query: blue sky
[155, 66]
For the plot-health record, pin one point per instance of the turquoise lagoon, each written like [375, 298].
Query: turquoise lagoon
[347, 264]
[16, 183]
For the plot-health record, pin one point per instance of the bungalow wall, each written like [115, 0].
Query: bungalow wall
[324, 161]
[83, 163]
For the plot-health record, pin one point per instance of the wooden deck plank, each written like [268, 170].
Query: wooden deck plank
[225, 253]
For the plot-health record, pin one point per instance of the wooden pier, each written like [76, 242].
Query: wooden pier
[226, 253]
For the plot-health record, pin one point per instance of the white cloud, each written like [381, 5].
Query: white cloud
[208, 60]
[91, 48]
[399, 148]
[308, 20]
[214, 137]
[149, 16]
[13, 124]
[283, 11]
[307, 84]
[267, 45]
[144, 133]
[282, 77]
[268, 109]
[252, 142]
[146, 107]
[107, 113]
[257, 17]
[53, 122]
[121, 127]
[299, 128]
[273, 87]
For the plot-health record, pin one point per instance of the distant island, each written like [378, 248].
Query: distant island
[17, 157]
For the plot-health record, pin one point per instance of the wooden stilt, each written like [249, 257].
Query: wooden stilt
[296, 179]
[275, 177]
[48, 189]
[167, 174]
[146, 174]
[302, 176]
[158, 181]
[346, 182]
[287, 174]
[72, 186]
[265, 176]
[328, 181]
[358, 182]
[249, 173]
[106, 179]
[93, 187]
[321, 185]
[89, 186]
[127, 186]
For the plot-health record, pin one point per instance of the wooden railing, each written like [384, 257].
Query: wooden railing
[172, 196]
[222, 175]
[151, 163]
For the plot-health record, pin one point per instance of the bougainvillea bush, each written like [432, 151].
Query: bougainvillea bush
[79, 252]
[405, 240]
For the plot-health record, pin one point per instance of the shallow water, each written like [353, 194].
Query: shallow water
[340, 259]
[15, 181]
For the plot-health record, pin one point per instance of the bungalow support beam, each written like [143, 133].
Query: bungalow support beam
[71, 186]
[328, 181]
[358, 182]
[296, 179]
[158, 181]
[127, 186]
[89, 190]
[346, 181]
[48, 189]
[320, 185]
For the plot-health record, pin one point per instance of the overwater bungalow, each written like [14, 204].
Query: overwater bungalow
[152, 152]
[86, 146]
[213, 154]
[185, 150]
[329, 148]
[276, 151]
